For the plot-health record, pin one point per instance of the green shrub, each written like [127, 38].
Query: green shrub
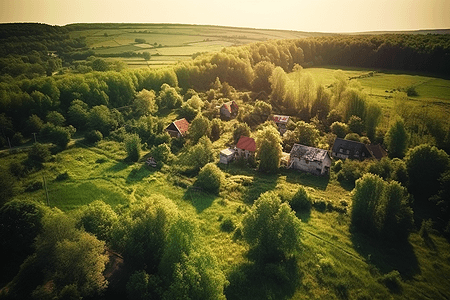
[227, 225]
[301, 200]
[62, 176]
[133, 147]
[210, 178]
[93, 136]
[39, 153]
[17, 169]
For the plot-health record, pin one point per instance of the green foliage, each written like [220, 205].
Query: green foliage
[140, 233]
[240, 129]
[339, 129]
[381, 208]
[392, 281]
[190, 269]
[146, 55]
[56, 118]
[301, 200]
[168, 97]
[356, 125]
[199, 127]
[354, 103]
[93, 136]
[227, 225]
[271, 229]
[39, 153]
[372, 118]
[100, 64]
[268, 147]
[145, 103]
[396, 139]
[259, 114]
[263, 70]
[61, 136]
[198, 155]
[210, 178]
[133, 146]
[425, 165]
[77, 114]
[353, 137]
[142, 286]
[351, 171]
[100, 118]
[304, 134]
[382, 168]
[161, 153]
[67, 256]
[216, 129]
[97, 218]
[34, 124]
[20, 223]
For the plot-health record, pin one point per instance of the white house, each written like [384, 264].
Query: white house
[309, 159]
[246, 147]
[227, 155]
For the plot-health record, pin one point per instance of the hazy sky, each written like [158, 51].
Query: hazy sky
[311, 15]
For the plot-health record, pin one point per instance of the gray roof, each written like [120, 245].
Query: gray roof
[355, 148]
[308, 153]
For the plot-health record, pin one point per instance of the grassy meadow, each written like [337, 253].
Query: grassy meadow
[333, 263]
[169, 43]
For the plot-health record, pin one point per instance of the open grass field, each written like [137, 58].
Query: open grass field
[433, 93]
[334, 263]
[171, 39]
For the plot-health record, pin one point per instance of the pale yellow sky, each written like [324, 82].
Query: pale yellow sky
[312, 15]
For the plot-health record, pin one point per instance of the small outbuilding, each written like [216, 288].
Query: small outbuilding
[377, 151]
[350, 149]
[227, 155]
[309, 159]
[246, 147]
[178, 128]
[229, 110]
[281, 122]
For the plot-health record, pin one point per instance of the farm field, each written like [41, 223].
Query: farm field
[168, 40]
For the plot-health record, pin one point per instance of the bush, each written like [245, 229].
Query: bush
[62, 176]
[39, 153]
[227, 225]
[60, 136]
[210, 178]
[133, 147]
[93, 136]
[17, 139]
[17, 169]
[301, 200]
[351, 171]
[339, 129]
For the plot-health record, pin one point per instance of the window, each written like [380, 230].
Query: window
[341, 150]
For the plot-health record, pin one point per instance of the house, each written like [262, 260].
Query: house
[246, 147]
[229, 110]
[178, 128]
[350, 149]
[281, 122]
[309, 159]
[377, 151]
[227, 155]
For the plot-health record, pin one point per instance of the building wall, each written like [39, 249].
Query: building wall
[313, 167]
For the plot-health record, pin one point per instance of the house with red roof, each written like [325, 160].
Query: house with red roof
[246, 147]
[229, 110]
[178, 128]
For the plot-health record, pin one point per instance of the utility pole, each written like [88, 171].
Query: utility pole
[9, 143]
[34, 133]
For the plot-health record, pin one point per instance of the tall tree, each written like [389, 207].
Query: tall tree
[268, 147]
[396, 139]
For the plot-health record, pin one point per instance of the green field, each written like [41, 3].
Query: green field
[168, 40]
[333, 263]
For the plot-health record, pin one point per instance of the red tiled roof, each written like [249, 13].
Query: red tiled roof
[182, 125]
[246, 143]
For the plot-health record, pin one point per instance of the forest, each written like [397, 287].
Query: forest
[84, 216]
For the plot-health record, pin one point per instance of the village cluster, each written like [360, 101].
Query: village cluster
[301, 157]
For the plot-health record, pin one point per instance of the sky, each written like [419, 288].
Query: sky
[300, 15]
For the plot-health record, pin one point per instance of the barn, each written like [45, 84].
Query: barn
[309, 159]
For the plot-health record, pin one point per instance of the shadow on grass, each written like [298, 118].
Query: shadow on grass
[270, 281]
[306, 179]
[304, 215]
[141, 173]
[199, 199]
[119, 166]
[387, 256]
[261, 183]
